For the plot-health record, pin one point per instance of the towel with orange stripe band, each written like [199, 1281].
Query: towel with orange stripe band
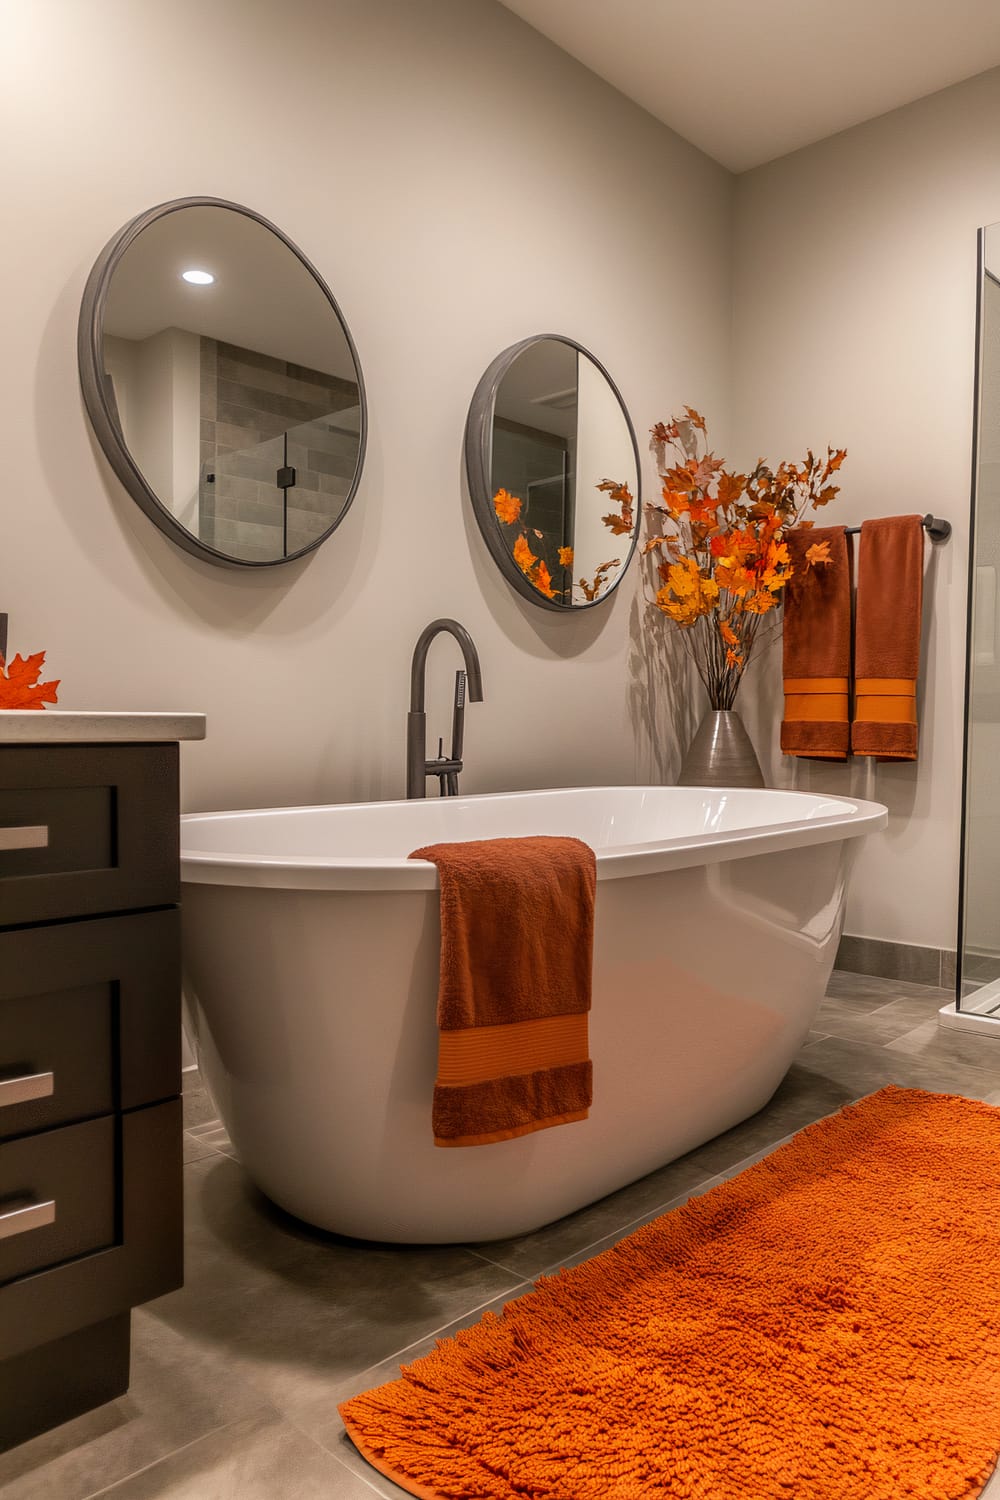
[517, 936]
[816, 661]
[887, 638]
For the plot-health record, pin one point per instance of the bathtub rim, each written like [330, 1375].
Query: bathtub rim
[321, 872]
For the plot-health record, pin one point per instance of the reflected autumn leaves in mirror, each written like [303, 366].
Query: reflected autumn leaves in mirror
[534, 564]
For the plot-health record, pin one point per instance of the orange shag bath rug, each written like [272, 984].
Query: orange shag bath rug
[822, 1327]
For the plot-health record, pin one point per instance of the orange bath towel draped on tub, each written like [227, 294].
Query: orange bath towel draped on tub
[517, 937]
[887, 637]
[816, 661]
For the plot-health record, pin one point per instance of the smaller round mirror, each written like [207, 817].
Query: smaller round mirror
[222, 382]
[553, 472]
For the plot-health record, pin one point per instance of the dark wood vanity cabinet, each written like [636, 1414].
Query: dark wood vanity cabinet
[90, 1082]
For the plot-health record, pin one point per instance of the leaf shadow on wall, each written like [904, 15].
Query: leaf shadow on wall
[233, 600]
[664, 701]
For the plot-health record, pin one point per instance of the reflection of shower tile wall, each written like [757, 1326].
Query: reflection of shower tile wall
[249, 402]
[530, 466]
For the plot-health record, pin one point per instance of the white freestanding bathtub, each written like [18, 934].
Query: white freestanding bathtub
[311, 970]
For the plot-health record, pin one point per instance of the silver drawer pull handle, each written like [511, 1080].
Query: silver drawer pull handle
[28, 1086]
[26, 1216]
[25, 837]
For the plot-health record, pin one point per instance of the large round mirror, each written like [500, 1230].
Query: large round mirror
[553, 472]
[222, 382]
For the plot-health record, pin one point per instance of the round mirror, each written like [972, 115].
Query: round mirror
[222, 382]
[553, 472]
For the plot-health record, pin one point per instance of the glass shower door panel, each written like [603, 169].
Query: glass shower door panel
[979, 967]
[242, 509]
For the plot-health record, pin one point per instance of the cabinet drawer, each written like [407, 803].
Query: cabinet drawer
[145, 1258]
[94, 1004]
[66, 1179]
[98, 827]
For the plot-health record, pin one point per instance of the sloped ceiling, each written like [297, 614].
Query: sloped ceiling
[750, 80]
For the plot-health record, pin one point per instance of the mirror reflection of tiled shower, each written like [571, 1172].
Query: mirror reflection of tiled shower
[980, 945]
[279, 447]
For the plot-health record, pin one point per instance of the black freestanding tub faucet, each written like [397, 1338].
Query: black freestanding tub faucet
[444, 767]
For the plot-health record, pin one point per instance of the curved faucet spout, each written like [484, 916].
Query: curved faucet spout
[418, 668]
[418, 767]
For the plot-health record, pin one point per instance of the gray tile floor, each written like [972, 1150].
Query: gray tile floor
[236, 1378]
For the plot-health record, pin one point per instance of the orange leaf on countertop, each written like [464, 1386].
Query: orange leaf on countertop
[19, 685]
[507, 507]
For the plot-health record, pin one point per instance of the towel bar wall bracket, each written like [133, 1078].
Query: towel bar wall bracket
[937, 529]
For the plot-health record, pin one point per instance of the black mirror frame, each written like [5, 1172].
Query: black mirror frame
[478, 466]
[101, 407]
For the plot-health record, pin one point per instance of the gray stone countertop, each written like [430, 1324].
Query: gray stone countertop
[20, 726]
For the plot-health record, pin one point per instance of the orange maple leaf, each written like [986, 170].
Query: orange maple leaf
[759, 603]
[696, 419]
[19, 685]
[818, 555]
[731, 487]
[728, 634]
[507, 507]
[523, 555]
[542, 579]
[565, 557]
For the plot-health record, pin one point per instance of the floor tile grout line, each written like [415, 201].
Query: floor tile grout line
[914, 1057]
[433, 1332]
[108, 1489]
[629, 1224]
[330, 1452]
[490, 1262]
[696, 1190]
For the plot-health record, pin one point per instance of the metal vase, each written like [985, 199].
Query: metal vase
[721, 753]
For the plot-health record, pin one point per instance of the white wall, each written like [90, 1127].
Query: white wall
[461, 184]
[855, 325]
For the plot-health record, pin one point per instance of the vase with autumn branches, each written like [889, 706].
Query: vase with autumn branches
[717, 539]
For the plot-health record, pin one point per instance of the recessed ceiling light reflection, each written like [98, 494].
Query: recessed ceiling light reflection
[198, 278]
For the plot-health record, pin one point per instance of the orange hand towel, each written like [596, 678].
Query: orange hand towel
[816, 662]
[517, 938]
[887, 651]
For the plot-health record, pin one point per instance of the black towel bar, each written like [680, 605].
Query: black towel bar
[937, 530]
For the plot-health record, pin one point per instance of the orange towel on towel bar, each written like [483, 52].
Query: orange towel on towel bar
[887, 635]
[517, 938]
[816, 647]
